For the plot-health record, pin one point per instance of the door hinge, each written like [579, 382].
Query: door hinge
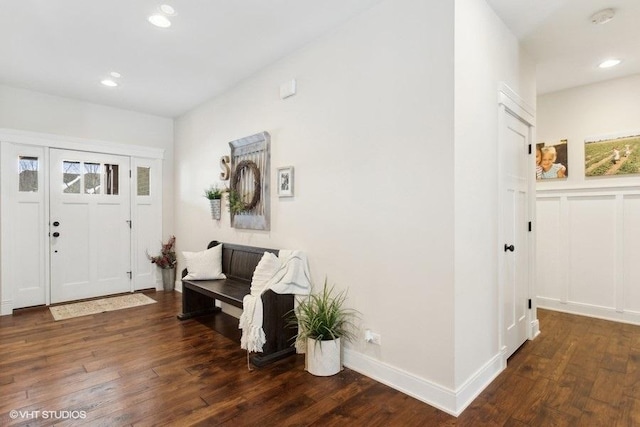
[529, 303]
[129, 222]
[130, 169]
[529, 151]
[529, 225]
[131, 276]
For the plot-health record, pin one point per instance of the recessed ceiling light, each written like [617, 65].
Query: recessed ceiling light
[165, 8]
[609, 63]
[109, 82]
[160, 21]
[115, 74]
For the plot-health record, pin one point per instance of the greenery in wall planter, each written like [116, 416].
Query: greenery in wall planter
[322, 322]
[214, 194]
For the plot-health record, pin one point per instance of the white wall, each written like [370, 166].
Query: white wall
[370, 134]
[486, 54]
[588, 232]
[576, 114]
[38, 112]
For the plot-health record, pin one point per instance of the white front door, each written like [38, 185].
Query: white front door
[89, 225]
[515, 176]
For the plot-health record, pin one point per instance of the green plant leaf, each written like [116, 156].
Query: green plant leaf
[322, 316]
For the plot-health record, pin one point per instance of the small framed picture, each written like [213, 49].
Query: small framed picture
[285, 181]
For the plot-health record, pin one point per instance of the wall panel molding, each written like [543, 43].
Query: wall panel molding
[588, 243]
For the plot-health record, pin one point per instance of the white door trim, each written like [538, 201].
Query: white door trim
[47, 141]
[510, 103]
[516, 105]
[79, 144]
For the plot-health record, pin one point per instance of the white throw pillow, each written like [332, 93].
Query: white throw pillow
[204, 265]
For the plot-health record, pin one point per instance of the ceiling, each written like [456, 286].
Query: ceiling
[66, 47]
[566, 46]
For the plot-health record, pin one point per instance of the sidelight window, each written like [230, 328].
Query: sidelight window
[143, 181]
[28, 174]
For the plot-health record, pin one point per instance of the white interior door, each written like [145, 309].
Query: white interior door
[514, 143]
[89, 225]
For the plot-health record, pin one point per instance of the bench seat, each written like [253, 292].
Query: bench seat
[238, 264]
[231, 291]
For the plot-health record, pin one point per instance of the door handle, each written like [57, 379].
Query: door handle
[509, 248]
[56, 223]
[56, 234]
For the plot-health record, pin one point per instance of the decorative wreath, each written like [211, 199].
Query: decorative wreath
[247, 164]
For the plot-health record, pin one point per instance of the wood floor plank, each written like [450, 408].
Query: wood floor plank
[570, 395]
[608, 386]
[597, 413]
[144, 367]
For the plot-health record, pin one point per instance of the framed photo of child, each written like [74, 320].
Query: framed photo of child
[612, 155]
[551, 161]
[285, 181]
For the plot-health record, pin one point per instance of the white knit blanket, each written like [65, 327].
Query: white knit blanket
[286, 274]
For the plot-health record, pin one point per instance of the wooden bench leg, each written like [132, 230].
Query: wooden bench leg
[195, 304]
[279, 334]
[262, 359]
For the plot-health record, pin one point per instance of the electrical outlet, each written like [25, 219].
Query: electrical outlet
[376, 339]
[372, 337]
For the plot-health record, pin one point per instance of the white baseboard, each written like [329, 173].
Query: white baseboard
[6, 308]
[535, 329]
[450, 401]
[467, 392]
[598, 312]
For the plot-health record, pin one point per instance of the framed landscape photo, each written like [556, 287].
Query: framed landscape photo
[612, 155]
[285, 181]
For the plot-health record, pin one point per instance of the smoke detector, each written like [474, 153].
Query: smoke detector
[602, 17]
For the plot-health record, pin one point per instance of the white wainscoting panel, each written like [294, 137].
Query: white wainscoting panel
[631, 253]
[549, 256]
[592, 247]
[588, 251]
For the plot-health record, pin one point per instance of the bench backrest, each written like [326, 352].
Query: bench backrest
[238, 261]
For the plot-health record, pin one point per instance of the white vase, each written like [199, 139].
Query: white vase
[323, 357]
[216, 207]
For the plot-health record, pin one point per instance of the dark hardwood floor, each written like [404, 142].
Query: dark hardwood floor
[143, 367]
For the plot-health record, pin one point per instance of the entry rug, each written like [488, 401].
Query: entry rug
[85, 308]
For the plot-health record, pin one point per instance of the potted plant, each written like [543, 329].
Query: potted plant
[166, 261]
[214, 194]
[322, 322]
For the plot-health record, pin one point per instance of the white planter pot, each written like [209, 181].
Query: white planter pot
[323, 357]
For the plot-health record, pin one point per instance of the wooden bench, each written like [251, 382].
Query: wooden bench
[238, 264]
